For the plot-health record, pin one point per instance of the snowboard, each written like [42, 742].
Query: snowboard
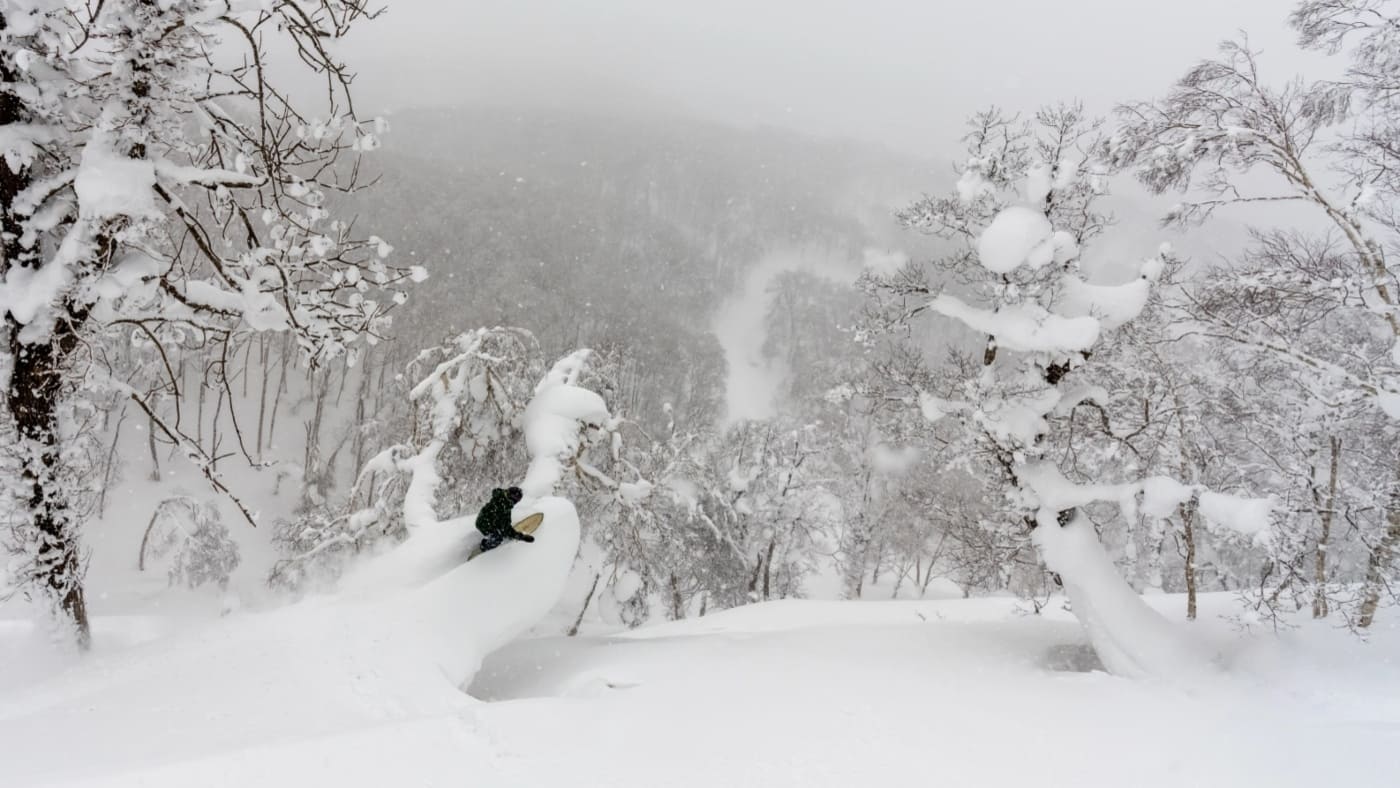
[530, 524]
[526, 526]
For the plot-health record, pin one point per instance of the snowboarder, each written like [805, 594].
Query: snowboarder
[494, 519]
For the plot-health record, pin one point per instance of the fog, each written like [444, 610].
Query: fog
[897, 72]
[885, 74]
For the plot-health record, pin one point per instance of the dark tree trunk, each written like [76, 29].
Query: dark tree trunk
[768, 569]
[155, 458]
[1188, 532]
[1378, 564]
[578, 622]
[33, 399]
[35, 385]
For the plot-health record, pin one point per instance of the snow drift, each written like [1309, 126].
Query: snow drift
[484, 604]
[459, 611]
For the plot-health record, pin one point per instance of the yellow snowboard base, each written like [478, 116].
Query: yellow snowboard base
[527, 526]
[530, 524]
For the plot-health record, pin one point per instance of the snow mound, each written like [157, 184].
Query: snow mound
[110, 184]
[1017, 235]
[496, 597]
[428, 553]
[554, 423]
[1131, 639]
[311, 696]
[1161, 495]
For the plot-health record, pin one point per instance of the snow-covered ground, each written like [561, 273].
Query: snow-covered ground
[954, 692]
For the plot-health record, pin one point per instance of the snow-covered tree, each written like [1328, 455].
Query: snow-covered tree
[711, 520]
[1321, 304]
[192, 536]
[1023, 212]
[464, 437]
[1022, 182]
[159, 186]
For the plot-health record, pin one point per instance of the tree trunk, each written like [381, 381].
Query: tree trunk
[857, 549]
[1153, 577]
[677, 603]
[768, 569]
[1326, 509]
[110, 464]
[1188, 509]
[214, 430]
[357, 446]
[313, 479]
[33, 399]
[262, 395]
[247, 359]
[1188, 532]
[753, 578]
[1379, 563]
[44, 527]
[155, 458]
[928, 578]
[281, 387]
[199, 414]
[578, 622]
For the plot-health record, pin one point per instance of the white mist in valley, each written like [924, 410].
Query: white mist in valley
[754, 378]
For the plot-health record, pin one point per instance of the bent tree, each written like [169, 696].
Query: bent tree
[1036, 351]
[160, 194]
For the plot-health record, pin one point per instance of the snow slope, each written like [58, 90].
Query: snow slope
[958, 692]
[328, 670]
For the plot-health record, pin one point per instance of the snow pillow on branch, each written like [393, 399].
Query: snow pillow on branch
[558, 422]
[1023, 236]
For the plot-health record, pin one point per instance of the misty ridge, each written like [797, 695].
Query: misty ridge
[626, 232]
[762, 393]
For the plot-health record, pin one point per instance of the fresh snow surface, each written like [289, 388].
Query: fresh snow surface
[958, 692]
[347, 679]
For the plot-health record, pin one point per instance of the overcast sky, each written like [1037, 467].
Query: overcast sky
[901, 72]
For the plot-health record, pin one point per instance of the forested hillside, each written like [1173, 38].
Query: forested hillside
[621, 233]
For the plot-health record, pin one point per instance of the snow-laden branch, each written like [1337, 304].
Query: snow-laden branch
[1026, 327]
[556, 421]
[1130, 637]
[1156, 497]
